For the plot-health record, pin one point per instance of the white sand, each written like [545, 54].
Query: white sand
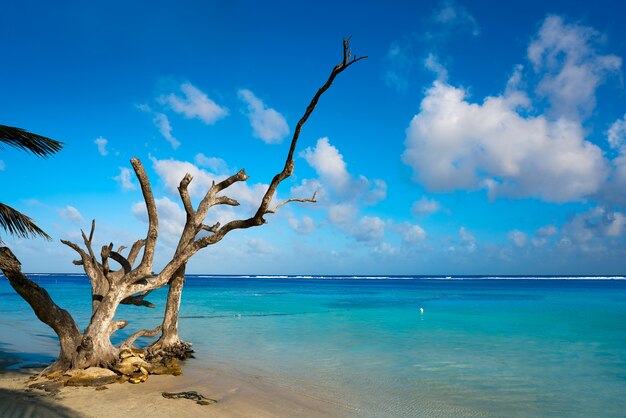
[237, 395]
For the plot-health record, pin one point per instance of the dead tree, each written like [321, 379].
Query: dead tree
[132, 281]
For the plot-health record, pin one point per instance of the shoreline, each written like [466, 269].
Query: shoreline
[237, 395]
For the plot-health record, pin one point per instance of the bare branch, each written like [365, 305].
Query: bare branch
[134, 250]
[258, 219]
[80, 251]
[153, 220]
[212, 228]
[105, 253]
[225, 200]
[126, 266]
[141, 333]
[93, 228]
[209, 198]
[138, 300]
[293, 199]
[184, 195]
[116, 326]
[122, 248]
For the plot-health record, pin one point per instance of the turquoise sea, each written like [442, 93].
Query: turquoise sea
[481, 347]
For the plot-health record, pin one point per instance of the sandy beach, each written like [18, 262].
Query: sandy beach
[237, 395]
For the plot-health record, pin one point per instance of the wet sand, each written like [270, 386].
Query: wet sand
[237, 395]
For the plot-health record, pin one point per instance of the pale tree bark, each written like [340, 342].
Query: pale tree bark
[130, 283]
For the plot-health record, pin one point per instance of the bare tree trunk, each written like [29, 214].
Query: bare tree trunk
[46, 310]
[170, 344]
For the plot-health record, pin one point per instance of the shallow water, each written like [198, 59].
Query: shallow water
[482, 347]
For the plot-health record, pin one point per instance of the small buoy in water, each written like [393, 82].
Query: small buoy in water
[421, 311]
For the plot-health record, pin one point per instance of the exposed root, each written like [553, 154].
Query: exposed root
[180, 350]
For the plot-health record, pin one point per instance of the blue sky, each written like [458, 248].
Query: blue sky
[477, 138]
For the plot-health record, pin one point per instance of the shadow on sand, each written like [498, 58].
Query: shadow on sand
[19, 404]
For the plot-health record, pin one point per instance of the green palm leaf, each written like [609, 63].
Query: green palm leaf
[16, 223]
[28, 141]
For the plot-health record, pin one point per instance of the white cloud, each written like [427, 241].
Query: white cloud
[71, 214]
[329, 164]
[342, 214]
[162, 122]
[101, 143]
[566, 57]
[373, 193]
[412, 234]
[617, 133]
[432, 63]
[125, 178]
[519, 238]
[217, 165]
[453, 144]
[592, 231]
[425, 206]
[303, 226]
[267, 124]
[194, 104]
[368, 228]
[171, 217]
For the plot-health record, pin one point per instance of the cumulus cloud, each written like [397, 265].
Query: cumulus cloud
[101, 143]
[342, 213]
[125, 179]
[329, 164]
[333, 174]
[565, 55]
[368, 228]
[267, 124]
[71, 214]
[217, 165]
[194, 104]
[412, 234]
[518, 237]
[425, 206]
[171, 217]
[503, 145]
[454, 144]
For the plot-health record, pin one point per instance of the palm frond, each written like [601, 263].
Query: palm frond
[28, 141]
[18, 224]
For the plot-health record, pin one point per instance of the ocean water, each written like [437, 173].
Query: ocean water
[481, 347]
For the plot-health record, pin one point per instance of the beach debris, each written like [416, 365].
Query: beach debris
[192, 394]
